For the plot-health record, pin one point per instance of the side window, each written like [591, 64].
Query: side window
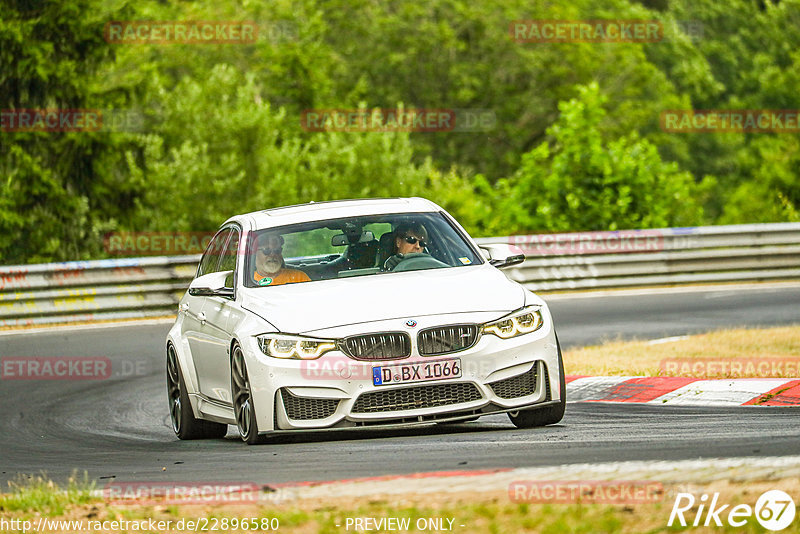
[228, 261]
[211, 257]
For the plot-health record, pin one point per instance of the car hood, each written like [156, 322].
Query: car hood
[305, 307]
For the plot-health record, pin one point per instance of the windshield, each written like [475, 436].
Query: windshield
[357, 246]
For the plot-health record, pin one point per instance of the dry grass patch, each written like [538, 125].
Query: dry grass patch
[740, 353]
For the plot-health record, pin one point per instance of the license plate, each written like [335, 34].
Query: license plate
[405, 373]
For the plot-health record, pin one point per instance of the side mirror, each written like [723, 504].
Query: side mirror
[212, 285]
[501, 255]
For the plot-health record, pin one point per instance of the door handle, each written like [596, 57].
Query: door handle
[201, 317]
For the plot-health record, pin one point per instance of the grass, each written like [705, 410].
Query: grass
[474, 512]
[739, 353]
[39, 494]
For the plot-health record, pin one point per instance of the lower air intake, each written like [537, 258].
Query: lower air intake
[396, 400]
[303, 409]
[516, 386]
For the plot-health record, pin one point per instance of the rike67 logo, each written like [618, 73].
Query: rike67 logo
[774, 510]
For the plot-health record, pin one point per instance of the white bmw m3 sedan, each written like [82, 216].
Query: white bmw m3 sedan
[357, 313]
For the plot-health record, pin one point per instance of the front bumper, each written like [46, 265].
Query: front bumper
[336, 391]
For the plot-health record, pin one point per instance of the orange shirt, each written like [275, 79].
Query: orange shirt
[284, 276]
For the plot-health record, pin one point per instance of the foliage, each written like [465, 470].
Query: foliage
[579, 181]
[254, 157]
[576, 144]
[52, 195]
[40, 494]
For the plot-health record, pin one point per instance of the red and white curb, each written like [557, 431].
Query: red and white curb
[685, 391]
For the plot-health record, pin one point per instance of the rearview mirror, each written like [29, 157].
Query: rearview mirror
[212, 285]
[502, 255]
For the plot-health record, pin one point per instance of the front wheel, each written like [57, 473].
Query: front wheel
[544, 416]
[184, 423]
[243, 399]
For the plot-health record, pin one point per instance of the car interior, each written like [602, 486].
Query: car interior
[354, 249]
[358, 258]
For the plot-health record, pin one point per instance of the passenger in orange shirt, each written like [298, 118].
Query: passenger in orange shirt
[271, 269]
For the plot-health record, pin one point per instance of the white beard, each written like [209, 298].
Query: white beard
[271, 266]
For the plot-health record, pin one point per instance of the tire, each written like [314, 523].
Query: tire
[242, 399]
[184, 423]
[549, 415]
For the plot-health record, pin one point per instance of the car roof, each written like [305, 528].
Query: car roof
[333, 209]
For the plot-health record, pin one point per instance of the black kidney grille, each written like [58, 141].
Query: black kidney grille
[445, 339]
[410, 398]
[377, 347]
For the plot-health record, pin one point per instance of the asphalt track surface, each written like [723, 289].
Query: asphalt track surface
[118, 429]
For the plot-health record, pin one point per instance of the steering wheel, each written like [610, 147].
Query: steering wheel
[413, 261]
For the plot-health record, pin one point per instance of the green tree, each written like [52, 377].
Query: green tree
[774, 192]
[459, 54]
[744, 56]
[218, 148]
[577, 181]
[50, 201]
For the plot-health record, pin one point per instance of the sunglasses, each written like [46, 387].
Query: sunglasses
[269, 251]
[411, 240]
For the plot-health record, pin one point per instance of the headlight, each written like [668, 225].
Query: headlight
[521, 322]
[295, 347]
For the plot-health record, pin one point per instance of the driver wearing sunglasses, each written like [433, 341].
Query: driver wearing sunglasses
[410, 238]
[271, 269]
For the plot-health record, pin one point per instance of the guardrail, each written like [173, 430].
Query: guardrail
[98, 290]
[151, 287]
[665, 256]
